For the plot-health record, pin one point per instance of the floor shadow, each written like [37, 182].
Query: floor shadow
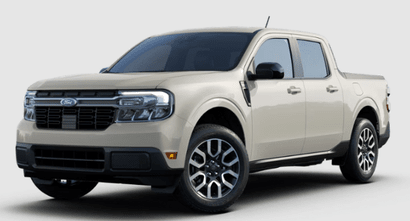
[145, 204]
[276, 185]
[129, 204]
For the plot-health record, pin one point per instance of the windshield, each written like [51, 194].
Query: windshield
[185, 52]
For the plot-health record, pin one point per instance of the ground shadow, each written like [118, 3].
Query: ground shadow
[145, 204]
[276, 185]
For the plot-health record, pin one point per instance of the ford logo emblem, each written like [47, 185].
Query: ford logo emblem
[68, 102]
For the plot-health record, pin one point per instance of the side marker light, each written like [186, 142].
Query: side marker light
[171, 155]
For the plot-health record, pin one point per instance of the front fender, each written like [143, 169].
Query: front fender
[213, 103]
[201, 109]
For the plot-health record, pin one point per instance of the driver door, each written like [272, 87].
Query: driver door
[278, 105]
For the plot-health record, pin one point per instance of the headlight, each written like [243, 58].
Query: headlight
[144, 106]
[29, 113]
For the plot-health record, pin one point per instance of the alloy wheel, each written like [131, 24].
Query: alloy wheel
[366, 155]
[214, 168]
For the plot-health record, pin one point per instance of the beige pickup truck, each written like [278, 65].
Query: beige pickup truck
[194, 112]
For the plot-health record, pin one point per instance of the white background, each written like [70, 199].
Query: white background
[44, 39]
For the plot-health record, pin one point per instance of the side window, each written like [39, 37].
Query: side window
[276, 50]
[313, 61]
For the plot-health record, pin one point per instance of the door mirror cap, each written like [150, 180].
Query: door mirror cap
[268, 70]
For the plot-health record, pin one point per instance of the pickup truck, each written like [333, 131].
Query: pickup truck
[194, 112]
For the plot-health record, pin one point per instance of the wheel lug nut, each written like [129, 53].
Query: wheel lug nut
[207, 166]
[216, 173]
[212, 161]
[209, 174]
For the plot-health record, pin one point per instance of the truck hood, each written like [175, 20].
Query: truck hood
[107, 81]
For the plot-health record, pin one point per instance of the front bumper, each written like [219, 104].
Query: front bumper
[134, 165]
[170, 135]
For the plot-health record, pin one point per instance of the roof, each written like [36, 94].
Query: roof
[243, 30]
[220, 29]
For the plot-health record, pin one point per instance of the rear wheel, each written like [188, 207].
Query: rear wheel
[216, 169]
[361, 158]
[64, 189]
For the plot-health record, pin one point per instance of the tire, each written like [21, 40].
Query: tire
[64, 189]
[216, 169]
[361, 158]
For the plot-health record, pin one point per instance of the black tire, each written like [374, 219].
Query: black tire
[232, 179]
[64, 189]
[360, 163]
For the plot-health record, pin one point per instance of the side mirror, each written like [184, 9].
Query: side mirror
[268, 70]
[103, 70]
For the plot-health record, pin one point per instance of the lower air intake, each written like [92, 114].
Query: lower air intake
[79, 159]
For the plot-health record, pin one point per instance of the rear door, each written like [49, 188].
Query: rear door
[324, 98]
[278, 105]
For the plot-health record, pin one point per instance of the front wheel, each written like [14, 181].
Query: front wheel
[64, 189]
[361, 158]
[216, 169]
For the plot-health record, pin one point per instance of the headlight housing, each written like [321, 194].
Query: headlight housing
[29, 113]
[135, 106]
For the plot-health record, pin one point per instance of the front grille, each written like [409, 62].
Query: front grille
[79, 118]
[85, 93]
[79, 159]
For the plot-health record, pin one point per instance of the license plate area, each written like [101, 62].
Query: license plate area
[69, 122]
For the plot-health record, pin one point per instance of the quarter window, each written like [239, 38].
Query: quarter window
[313, 61]
[276, 50]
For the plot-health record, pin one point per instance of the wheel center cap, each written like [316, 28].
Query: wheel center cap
[213, 167]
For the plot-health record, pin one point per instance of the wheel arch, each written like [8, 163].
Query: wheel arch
[222, 112]
[368, 109]
[224, 117]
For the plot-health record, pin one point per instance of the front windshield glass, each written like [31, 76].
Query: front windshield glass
[185, 52]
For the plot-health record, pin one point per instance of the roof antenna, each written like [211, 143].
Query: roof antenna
[267, 22]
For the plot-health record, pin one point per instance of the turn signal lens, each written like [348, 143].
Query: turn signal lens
[172, 155]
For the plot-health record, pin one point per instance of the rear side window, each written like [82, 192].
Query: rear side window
[276, 50]
[313, 60]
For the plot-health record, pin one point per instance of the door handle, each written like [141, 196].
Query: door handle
[294, 90]
[331, 89]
